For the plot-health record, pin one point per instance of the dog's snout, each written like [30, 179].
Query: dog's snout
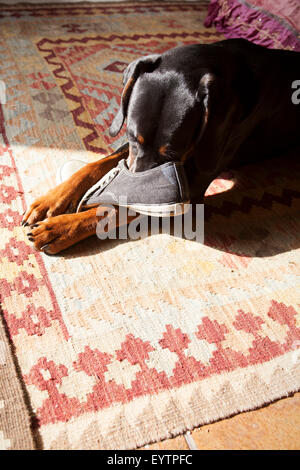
[141, 159]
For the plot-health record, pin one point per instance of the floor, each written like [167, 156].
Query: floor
[274, 427]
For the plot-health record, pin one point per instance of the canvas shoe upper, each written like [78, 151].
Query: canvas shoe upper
[160, 191]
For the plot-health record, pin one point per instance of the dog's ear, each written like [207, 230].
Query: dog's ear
[131, 74]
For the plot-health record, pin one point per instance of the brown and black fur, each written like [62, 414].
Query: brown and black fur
[213, 106]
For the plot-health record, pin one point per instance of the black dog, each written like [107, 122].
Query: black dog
[213, 106]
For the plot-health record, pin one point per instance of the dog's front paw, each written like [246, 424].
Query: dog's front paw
[53, 235]
[57, 201]
[58, 233]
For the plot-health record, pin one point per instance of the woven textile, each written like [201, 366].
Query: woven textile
[265, 22]
[114, 344]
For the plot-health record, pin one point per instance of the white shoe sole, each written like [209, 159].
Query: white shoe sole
[160, 210]
[164, 210]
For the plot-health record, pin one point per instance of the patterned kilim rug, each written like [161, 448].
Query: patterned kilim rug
[117, 344]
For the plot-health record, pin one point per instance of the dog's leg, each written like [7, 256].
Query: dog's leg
[58, 233]
[68, 194]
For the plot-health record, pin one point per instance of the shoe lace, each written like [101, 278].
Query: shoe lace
[108, 178]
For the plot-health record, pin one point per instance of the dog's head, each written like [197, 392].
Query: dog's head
[166, 101]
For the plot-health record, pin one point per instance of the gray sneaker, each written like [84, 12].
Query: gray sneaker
[162, 191]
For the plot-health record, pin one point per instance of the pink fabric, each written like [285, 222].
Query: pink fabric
[266, 22]
[288, 10]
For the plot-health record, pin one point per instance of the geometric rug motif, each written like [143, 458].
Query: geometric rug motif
[115, 344]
